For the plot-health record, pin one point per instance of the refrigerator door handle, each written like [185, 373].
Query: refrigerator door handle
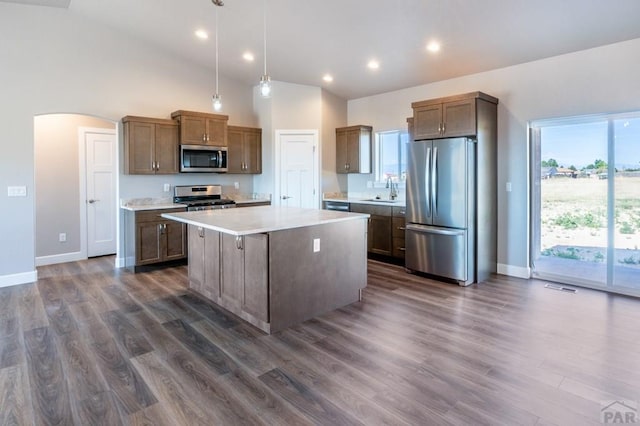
[427, 186]
[434, 181]
[433, 230]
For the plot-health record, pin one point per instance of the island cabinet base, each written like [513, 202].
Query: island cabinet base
[280, 278]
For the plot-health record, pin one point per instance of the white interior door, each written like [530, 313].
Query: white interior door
[298, 176]
[101, 170]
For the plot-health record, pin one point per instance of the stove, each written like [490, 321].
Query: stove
[201, 197]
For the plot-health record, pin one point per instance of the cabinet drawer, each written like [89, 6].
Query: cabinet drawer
[397, 227]
[398, 247]
[399, 211]
[154, 215]
[371, 209]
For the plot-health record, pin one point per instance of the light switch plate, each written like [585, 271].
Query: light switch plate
[508, 186]
[16, 191]
[316, 245]
[167, 187]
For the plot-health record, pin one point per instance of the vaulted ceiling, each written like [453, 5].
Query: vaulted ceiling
[307, 39]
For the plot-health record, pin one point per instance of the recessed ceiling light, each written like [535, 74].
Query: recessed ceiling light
[433, 47]
[248, 56]
[202, 34]
[328, 78]
[373, 64]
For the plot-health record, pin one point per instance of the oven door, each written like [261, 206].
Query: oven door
[203, 158]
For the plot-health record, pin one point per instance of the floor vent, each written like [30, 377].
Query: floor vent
[561, 288]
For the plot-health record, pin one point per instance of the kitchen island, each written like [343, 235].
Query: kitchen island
[276, 266]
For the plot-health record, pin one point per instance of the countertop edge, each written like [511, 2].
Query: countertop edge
[265, 229]
[400, 203]
[142, 207]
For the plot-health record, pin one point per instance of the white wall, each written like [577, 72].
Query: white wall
[300, 107]
[604, 79]
[55, 62]
[291, 107]
[334, 114]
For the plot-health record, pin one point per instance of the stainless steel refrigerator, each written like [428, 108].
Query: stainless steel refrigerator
[442, 209]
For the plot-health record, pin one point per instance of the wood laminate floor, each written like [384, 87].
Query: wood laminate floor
[91, 345]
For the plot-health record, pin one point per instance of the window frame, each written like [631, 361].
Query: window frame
[379, 180]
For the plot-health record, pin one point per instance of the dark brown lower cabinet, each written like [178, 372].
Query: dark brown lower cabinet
[232, 271]
[386, 228]
[151, 239]
[380, 234]
[277, 279]
[398, 223]
[204, 261]
[379, 230]
[245, 276]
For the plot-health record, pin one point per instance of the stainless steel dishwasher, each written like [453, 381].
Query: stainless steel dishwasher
[341, 206]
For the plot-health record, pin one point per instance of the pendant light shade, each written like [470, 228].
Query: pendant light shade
[265, 86]
[217, 100]
[265, 80]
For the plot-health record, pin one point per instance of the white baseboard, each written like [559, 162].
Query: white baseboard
[15, 279]
[514, 271]
[59, 258]
[121, 262]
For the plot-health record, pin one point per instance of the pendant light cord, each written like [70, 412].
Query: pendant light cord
[264, 28]
[216, 50]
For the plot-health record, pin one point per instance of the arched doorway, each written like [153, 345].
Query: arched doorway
[75, 157]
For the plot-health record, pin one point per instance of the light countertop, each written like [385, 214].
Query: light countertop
[261, 219]
[140, 204]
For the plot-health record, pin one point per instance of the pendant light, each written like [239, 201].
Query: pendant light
[265, 80]
[217, 100]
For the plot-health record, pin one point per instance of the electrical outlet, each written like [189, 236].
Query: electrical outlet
[167, 187]
[508, 186]
[62, 237]
[316, 245]
[16, 191]
[236, 185]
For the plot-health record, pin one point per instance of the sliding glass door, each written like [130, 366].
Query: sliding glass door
[586, 201]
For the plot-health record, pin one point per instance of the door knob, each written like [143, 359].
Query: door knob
[92, 201]
[285, 197]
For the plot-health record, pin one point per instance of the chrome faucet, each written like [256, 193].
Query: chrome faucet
[393, 189]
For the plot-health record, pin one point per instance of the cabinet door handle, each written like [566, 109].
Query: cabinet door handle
[401, 228]
[207, 137]
[239, 242]
[402, 249]
[444, 128]
[200, 232]
[162, 228]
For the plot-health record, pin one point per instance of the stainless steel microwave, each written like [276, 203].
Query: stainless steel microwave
[203, 159]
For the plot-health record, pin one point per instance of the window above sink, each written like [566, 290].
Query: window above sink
[390, 157]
